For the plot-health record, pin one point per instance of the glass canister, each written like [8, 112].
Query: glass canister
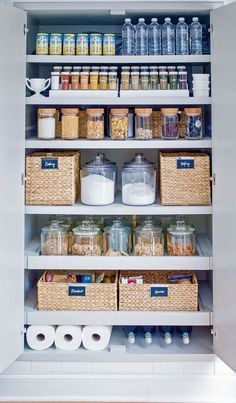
[70, 123]
[119, 124]
[98, 181]
[95, 124]
[54, 240]
[86, 240]
[173, 80]
[163, 77]
[170, 123]
[143, 124]
[117, 239]
[69, 44]
[112, 80]
[181, 239]
[193, 123]
[183, 80]
[103, 80]
[94, 80]
[154, 80]
[65, 80]
[125, 80]
[149, 240]
[135, 80]
[138, 182]
[144, 80]
[46, 123]
[84, 80]
[75, 80]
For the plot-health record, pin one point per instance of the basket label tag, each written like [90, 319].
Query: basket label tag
[185, 163]
[76, 291]
[49, 163]
[159, 291]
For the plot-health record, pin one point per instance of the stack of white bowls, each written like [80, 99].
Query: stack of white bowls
[201, 85]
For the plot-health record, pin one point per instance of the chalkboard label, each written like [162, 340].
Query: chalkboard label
[76, 291]
[160, 291]
[49, 163]
[185, 163]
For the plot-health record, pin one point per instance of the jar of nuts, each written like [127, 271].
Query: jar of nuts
[143, 124]
[119, 124]
[54, 240]
[181, 239]
[149, 240]
[86, 240]
[95, 124]
[70, 123]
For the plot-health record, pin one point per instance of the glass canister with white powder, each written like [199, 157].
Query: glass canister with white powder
[98, 179]
[138, 182]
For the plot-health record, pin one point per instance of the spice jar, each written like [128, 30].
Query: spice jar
[75, 80]
[94, 80]
[69, 44]
[183, 81]
[173, 80]
[86, 240]
[84, 80]
[138, 182]
[170, 123]
[143, 124]
[55, 80]
[154, 80]
[95, 124]
[163, 75]
[112, 80]
[54, 240]
[117, 239]
[125, 83]
[135, 80]
[119, 124]
[103, 80]
[70, 123]
[193, 123]
[46, 124]
[98, 181]
[181, 239]
[149, 240]
[144, 80]
[65, 80]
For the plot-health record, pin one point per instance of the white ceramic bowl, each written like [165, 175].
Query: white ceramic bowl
[201, 77]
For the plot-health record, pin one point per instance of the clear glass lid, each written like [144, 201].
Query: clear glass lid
[138, 162]
[100, 162]
[149, 230]
[87, 228]
[54, 228]
[181, 228]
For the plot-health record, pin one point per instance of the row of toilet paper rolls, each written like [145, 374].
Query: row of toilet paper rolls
[69, 338]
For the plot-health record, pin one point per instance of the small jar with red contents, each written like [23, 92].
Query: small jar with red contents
[65, 80]
[75, 80]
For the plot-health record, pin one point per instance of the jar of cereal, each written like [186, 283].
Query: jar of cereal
[149, 240]
[70, 123]
[95, 123]
[119, 124]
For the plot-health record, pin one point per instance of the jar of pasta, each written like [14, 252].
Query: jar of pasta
[95, 123]
[70, 123]
[181, 239]
[103, 80]
[119, 123]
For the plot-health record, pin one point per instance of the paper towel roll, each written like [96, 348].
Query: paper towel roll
[68, 337]
[40, 337]
[96, 338]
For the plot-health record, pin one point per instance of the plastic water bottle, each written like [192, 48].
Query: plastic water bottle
[168, 37]
[154, 38]
[141, 37]
[182, 37]
[148, 331]
[195, 34]
[130, 332]
[128, 38]
[184, 332]
[167, 332]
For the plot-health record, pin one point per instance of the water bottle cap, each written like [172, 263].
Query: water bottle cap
[186, 339]
[168, 339]
[141, 20]
[195, 19]
[128, 20]
[154, 19]
[181, 19]
[167, 19]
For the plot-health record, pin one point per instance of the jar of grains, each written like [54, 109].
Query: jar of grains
[119, 124]
[95, 44]
[46, 123]
[103, 80]
[144, 80]
[75, 80]
[95, 124]
[181, 239]
[70, 123]
[135, 80]
[125, 80]
[54, 240]
[149, 240]
[112, 80]
[94, 79]
[69, 44]
[143, 124]
[163, 76]
[84, 80]
[170, 123]
[86, 240]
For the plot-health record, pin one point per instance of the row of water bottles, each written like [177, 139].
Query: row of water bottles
[166, 39]
[166, 333]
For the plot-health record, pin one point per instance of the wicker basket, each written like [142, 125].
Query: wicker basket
[52, 178]
[185, 178]
[176, 297]
[59, 296]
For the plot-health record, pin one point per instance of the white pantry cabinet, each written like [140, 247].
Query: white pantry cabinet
[196, 372]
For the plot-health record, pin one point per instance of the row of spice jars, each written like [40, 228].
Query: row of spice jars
[75, 44]
[84, 78]
[88, 238]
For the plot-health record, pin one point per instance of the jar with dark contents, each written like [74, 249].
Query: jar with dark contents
[183, 81]
[163, 77]
[173, 80]
[170, 123]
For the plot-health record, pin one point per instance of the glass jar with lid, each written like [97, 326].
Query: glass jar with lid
[54, 240]
[117, 239]
[144, 80]
[98, 181]
[119, 123]
[138, 182]
[170, 123]
[154, 80]
[149, 240]
[134, 80]
[173, 80]
[181, 239]
[75, 80]
[125, 80]
[103, 80]
[46, 123]
[143, 124]
[84, 80]
[94, 79]
[86, 240]
[70, 123]
[183, 80]
[95, 123]
[193, 123]
[112, 80]
[163, 78]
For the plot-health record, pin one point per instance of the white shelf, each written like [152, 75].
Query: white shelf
[203, 317]
[119, 59]
[158, 144]
[202, 261]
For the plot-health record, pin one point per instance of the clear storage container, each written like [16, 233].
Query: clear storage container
[86, 240]
[112, 80]
[119, 124]
[95, 124]
[170, 123]
[54, 240]
[46, 124]
[193, 123]
[143, 124]
[173, 80]
[163, 76]
[181, 239]
[154, 80]
[138, 182]
[144, 80]
[70, 123]
[98, 181]
[149, 240]
[135, 80]
[117, 239]
[125, 80]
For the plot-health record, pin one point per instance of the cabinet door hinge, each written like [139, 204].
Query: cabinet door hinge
[26, 29]
[213, 179]
[210, 29]
[213, 332]
[23, 179]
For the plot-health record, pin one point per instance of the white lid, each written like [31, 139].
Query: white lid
[167, 19]
[181, 19]
[195, 19]
[141, 20]
[154, 19]
[128, 20]
[55, 73]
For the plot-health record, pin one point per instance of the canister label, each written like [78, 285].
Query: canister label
[76, 291]
[185, 163]
[49, 163]
[159, 291]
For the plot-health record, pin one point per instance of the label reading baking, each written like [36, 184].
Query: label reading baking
[185, 163]
[49, 163]
[76, 291]
[159, 291]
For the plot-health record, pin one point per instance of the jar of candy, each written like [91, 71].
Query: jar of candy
[86, 240]
[82, 44]
[54, 240]
[109, 44]
[55, 44]
[69, 44]
[173, 80]
[163, 75]
[181, 239]
[149, 240]
[42, 43]
[117, 239]
[95, 44]
[170, 123]
[193, 123]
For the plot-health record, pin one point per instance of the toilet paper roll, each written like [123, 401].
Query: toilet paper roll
[40, 337]
[96, 338]
[68, 337]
